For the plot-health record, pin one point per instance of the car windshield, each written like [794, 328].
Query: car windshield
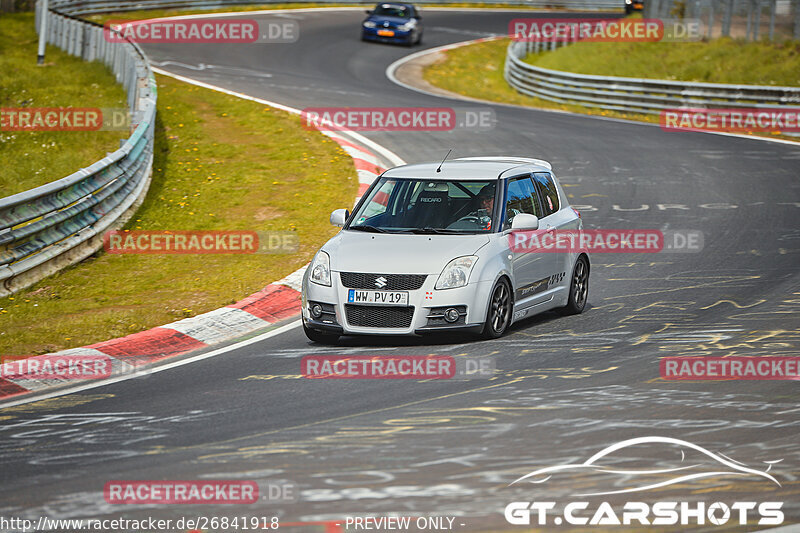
[427, 206]
[388, 10]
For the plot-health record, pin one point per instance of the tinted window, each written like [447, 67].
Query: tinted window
[389, 10]
[548, 191]
[521, 199]
[427, 206]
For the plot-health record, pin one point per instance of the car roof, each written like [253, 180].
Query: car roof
[398, 4]
[471, 168]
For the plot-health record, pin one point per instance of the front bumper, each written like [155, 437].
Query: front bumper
[471, 300]
[371, 34]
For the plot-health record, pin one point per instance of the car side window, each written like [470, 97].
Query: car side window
[548, 191]
[521, 198]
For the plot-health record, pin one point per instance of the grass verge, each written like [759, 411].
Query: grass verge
[220, 163]
[476, 70]
[33, 158]
[718, 61]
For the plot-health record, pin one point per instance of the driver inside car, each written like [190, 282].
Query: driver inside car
[485, 206]
[481, 214]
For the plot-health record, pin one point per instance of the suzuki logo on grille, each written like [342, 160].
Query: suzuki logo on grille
[380, 282]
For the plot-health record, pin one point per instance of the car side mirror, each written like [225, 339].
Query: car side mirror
[524, 221]
[368, 12]
[339, 217]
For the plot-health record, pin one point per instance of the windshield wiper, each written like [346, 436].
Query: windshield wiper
[427, 231]
[367, 228]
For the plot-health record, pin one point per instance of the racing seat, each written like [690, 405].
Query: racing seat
[432, 208]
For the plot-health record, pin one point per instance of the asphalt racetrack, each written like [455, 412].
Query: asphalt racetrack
[566, 387]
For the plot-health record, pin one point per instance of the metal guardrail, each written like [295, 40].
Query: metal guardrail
[634, 94]
[734, 18]
[62, 222]
[85, 7]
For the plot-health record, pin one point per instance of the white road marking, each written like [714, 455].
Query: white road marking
[156, 368]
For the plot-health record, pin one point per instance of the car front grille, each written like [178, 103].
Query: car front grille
[393, 282]
[379, 316]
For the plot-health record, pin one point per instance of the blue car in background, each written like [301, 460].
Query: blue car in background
[393, 23]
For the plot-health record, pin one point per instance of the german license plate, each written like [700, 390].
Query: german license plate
[386, 33]
[355, 296]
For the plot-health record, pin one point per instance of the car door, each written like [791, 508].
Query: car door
[532, 270]
[554, 218]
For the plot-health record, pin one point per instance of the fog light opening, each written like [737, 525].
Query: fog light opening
[316, 310]
[451, 315]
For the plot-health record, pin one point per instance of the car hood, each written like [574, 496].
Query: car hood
[395, 21]
[355, 251]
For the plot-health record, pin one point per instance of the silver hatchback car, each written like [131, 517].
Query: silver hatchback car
[428, 248]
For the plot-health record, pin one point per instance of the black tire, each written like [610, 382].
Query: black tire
[320, 337]
[578, 288]
[498, 316]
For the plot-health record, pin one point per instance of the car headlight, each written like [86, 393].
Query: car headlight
[456, 273]
[369, 24]
[407, 26]
[321, 269]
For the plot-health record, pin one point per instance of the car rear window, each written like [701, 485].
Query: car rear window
[547, 191]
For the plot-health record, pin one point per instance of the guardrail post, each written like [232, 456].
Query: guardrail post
[72, 38]
[772, 7]
[796, 34]
[63, 37]
[710, 30]
[41, 11]
[726, 20]
[757, 25]
[93, 44]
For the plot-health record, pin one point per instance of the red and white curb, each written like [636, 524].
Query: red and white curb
[277, 301]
